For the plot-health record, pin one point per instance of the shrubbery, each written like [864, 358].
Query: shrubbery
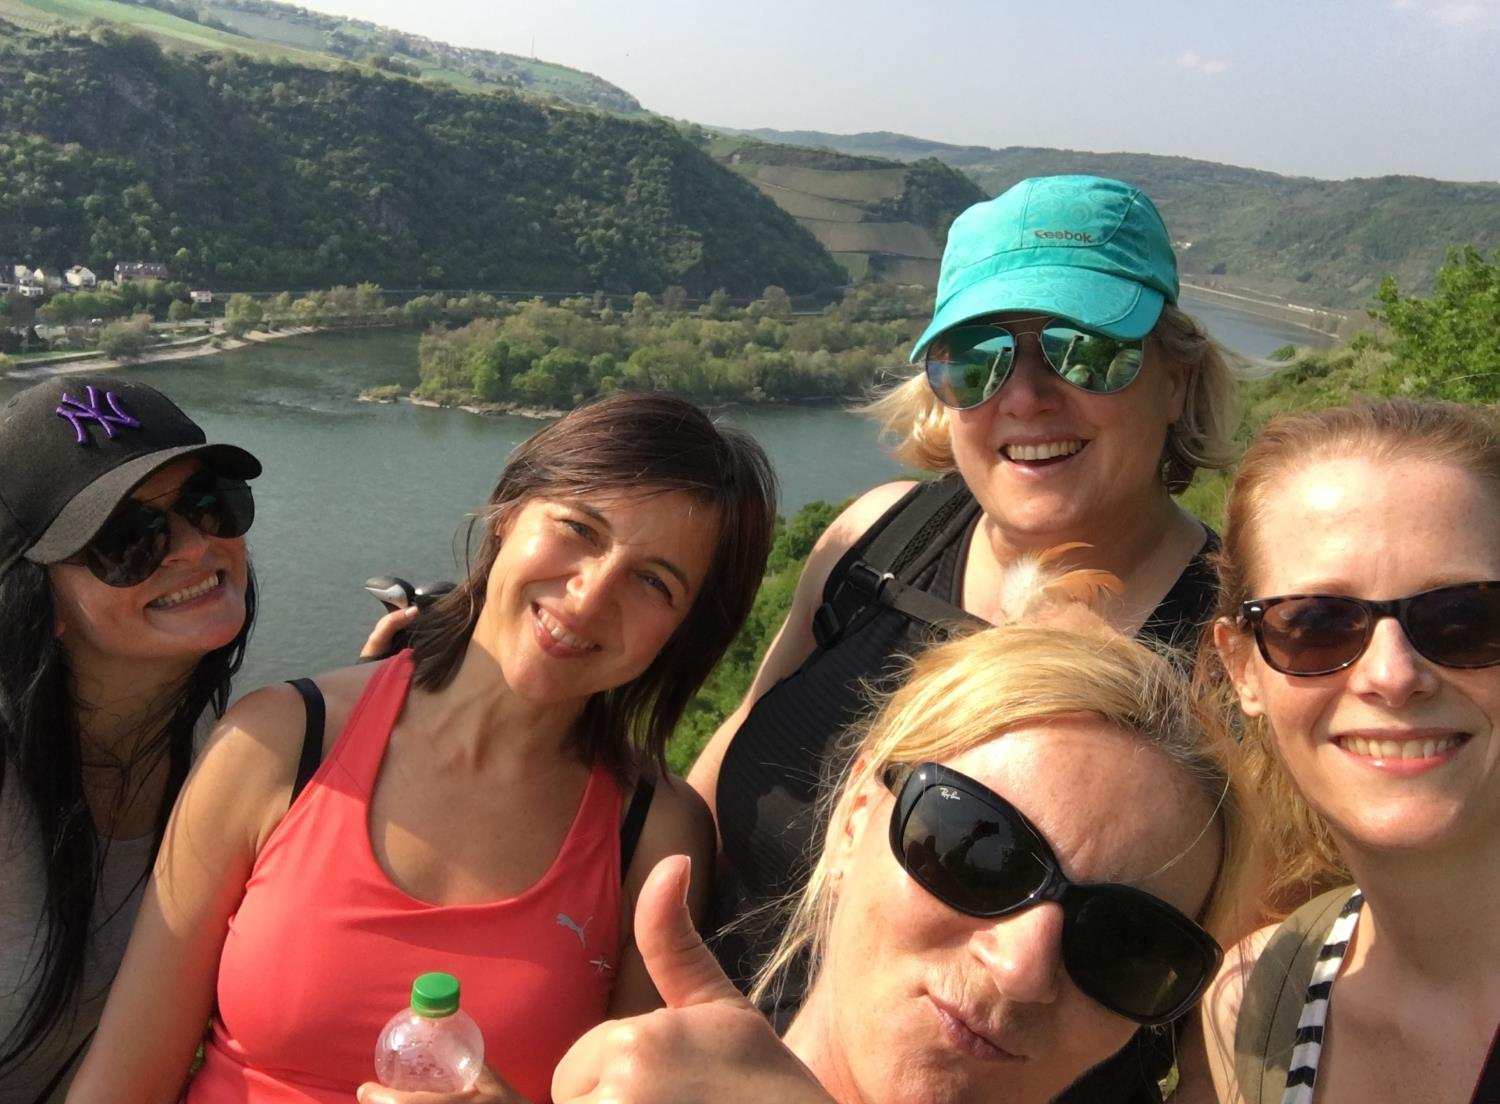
[127, 338]
[558, 356]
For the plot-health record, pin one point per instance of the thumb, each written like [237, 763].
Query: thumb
[680, 965]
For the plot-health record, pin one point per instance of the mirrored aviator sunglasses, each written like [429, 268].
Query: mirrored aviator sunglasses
[135, 540]
[976, 853]
[967, 364]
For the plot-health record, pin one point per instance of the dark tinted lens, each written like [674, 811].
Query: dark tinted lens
[215, 506]
[1457, 626]
[967, 364]
[1133, 954]
[1310, 636]
[968, 855]
[131, 545]
[1091, 361]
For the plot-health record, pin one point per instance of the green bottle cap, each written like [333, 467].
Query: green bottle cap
[434, 995]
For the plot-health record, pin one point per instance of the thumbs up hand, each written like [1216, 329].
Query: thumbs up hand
[708, 1044]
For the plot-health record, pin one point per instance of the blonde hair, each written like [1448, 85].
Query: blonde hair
[911, 415]
[969, 691]
[1302, 852]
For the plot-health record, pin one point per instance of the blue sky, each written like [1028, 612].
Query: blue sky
[1330, 88]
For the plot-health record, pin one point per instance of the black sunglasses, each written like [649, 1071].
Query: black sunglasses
[975, 852]
[967, 364]
[1318, 634]
[136, 538]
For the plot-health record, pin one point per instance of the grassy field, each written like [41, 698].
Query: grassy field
[880, 220]
[305, 38]
[165, 28]
[861, 186]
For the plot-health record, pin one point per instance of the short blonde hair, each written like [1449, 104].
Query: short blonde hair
[1303, 854]
[969, 691]
[910, 415]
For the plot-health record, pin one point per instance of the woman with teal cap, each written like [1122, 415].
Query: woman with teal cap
[1066, 400]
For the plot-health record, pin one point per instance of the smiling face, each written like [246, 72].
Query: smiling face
[964, 1009]
[1395, 751]
[586, 591]
[190, 605]
[1048, 461]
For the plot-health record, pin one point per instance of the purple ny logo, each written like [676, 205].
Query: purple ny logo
[77, 413]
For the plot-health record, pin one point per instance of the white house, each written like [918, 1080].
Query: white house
[47, 279]
[201, 296]
[80, 277]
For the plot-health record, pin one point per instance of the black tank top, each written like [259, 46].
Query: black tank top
[780, 760]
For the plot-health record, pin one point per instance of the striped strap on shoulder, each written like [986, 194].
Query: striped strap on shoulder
[1302, 1070]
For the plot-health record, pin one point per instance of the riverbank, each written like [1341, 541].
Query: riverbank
[201, 346]
[1322, 320]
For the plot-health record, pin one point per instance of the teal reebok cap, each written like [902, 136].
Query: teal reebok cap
[1084, 248]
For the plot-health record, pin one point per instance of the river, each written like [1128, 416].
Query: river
[355, 489]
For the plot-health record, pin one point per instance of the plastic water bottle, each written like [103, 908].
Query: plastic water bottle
[433, 1046]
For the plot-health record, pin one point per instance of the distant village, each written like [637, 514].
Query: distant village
[26, 323]
[38, 283]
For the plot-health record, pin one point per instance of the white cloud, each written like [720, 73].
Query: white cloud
[1191, 59]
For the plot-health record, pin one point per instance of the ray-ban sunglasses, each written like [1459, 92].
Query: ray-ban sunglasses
[968, 364]
[978, 854]
[135, 540]
[1318, 634]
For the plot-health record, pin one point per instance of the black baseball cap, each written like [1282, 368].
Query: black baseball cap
[73, 448]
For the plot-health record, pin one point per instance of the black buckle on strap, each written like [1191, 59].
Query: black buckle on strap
[866, 583]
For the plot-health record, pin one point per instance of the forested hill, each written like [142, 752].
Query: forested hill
[254, 174]
[1314, 241]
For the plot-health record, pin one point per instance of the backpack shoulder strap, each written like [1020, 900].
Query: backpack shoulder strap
[312, 737]
[880, 566]
[1265, 1032]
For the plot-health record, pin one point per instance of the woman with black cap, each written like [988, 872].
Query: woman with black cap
[1065, 400]
[127, 598]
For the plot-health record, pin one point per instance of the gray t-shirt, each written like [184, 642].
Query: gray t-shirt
[23, 885]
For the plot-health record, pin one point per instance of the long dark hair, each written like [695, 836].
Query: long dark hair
[633, 442]
[41, 757]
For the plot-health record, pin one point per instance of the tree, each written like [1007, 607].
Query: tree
[1449, 345]
[368, 298]
[674, 297]
[717, 306]
[127, 338]
[241, 315]
[775, 302]
[180, 311]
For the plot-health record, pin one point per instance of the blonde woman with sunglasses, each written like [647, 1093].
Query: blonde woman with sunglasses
[1020, 863]
[1063, 400]
[1360, 629]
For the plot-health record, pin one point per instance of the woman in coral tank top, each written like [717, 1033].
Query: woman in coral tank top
[466, 815]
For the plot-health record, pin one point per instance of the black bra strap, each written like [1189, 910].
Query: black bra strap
[1488, 1089]
[312, 739]
[635, 820]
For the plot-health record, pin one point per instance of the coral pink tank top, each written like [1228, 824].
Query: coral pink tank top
[323, 948]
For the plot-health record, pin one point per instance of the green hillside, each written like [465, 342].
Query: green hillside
[265, 29]
[1326, 242]
[247, 173]
[880, 219]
